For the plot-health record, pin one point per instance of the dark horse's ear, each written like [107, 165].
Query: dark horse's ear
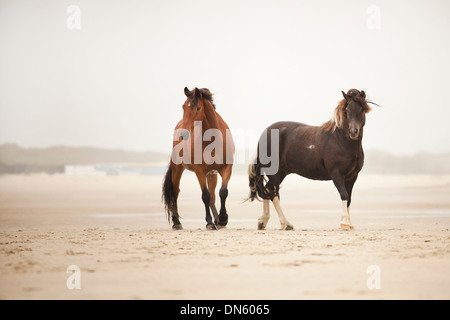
[197, 93]
[363, 93]
[186, 91]
[346, 96]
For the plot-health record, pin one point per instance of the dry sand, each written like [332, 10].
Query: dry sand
[115, 230]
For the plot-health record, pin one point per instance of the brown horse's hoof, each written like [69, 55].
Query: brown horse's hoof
[211, 227]
[347, 227]
[223, 220]
[261, 226]
[177, 227]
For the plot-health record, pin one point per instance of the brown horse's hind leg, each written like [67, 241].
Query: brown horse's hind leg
[177, 171]
[225, 173]
[212, 183]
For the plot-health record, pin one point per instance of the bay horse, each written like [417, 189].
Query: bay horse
[332, 151]
[200, 124]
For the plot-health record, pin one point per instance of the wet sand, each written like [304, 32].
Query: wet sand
[114, 229]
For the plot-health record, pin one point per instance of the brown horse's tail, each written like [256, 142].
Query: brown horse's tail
[256, 182]
[168, 195]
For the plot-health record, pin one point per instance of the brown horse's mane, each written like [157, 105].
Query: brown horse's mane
[207, 95]
[337, 120]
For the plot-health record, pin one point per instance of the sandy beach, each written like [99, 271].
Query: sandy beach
[115, 230]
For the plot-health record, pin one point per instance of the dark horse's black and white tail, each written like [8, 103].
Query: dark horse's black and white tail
[256, 182]
[168, 195]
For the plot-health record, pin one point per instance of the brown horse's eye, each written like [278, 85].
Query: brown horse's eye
[198, 109]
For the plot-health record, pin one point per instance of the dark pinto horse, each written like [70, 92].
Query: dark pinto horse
[191, 150]
[332, 151]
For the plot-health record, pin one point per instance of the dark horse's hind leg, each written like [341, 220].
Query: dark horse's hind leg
[274, 186]
[225, 173]
[206, 198]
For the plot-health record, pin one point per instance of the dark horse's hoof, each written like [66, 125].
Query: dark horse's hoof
[261, 226]
[288, 227]
[211, 227]
[177, 227]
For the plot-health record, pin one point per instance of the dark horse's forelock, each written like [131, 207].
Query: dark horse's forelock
[359, 96]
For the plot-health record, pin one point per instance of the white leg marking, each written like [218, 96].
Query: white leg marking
[284, 223]
[345, 217]
[262, 221]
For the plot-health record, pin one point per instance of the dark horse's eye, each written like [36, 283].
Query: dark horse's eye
[198, 109]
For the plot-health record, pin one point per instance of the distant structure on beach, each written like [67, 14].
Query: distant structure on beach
[113, 170]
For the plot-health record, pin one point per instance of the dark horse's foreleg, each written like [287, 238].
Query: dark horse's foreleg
[344, 187]
[349, 186]
[206, 198]
[225, 173]
[212, 183]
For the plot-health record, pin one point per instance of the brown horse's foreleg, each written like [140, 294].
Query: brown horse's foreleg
[225, 173]
[206, 198]
[212, 183]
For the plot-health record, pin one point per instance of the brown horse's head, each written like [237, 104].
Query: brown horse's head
[354, 108]
[194, 106]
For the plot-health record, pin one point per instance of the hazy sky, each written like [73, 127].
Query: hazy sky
[118, 81]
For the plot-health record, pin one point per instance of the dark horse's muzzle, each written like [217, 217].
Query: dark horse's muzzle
[353, 133]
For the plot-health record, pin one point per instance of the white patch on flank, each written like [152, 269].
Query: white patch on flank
[311, 146]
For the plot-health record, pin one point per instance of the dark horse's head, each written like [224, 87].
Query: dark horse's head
[194, 106]
[350, 114]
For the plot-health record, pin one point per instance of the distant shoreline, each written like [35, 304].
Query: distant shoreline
[61, 159]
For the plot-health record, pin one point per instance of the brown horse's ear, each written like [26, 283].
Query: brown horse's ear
[346, 96]
[197, 93]
[186, 91]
